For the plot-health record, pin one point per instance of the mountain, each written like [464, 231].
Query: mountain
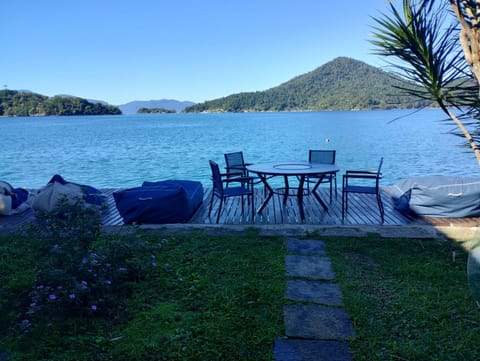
[134, 106]
[341, 84]
[22, 103]
[94, 101]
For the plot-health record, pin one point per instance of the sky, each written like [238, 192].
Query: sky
[189, 50]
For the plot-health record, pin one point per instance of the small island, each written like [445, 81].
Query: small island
[155, 110]
[15, 103]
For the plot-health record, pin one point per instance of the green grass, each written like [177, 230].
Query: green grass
[208, 298]
[221, 298]
[408, 299]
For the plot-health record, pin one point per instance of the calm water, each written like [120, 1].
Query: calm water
[124, 151]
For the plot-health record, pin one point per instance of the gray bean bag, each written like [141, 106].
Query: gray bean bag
[438, 196]
[58, 189]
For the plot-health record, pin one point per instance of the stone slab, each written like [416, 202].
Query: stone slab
[314, 291]
[317, 322]
[308, 350]
[309, 267]
[305, 246]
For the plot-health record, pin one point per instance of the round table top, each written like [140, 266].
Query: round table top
[292, 168]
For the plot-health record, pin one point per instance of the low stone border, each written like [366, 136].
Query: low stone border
[460, 234]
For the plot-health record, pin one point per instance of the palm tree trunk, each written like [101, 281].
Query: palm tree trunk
[470, 41]
[469, 33]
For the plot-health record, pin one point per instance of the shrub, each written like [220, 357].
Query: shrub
[79, 274]
[77, 223]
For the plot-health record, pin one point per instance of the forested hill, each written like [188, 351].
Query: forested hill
[342, 84]
[15, 103]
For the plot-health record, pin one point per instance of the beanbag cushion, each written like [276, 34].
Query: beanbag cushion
[438, 196]
[171, 201]
[58, 189]
[12, 200]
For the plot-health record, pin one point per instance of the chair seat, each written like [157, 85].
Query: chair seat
[360, 189]
[235, 191]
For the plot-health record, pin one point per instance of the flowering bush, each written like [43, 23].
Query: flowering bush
[81, 274]
[75, 222]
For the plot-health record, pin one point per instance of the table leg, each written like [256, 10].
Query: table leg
[263, 178]
[287, 190]
[300, 197]
[314, 191]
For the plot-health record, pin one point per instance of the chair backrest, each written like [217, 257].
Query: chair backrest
[233, 160]
[322, 156]
[379, 171]
[216, 177]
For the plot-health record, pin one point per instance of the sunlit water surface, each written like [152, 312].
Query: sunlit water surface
[123, 151]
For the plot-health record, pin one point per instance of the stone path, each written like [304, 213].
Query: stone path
[317, 327]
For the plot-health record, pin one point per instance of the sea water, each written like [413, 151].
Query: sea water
[123, 151]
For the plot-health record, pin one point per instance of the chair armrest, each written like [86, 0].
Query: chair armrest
[373, 174]
[235, 167]
[361, 172]
[368, 175]
[360, 176]
[230, 174]
[238, 179]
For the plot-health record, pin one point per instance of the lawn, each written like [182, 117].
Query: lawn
[68, 292]
[74, 296]
[408, 299]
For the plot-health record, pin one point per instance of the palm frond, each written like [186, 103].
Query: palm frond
[427, 49]
[428, 53]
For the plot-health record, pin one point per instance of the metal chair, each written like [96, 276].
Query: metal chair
[244, 188]
[362, 175]
[235, 164]
[326, 157]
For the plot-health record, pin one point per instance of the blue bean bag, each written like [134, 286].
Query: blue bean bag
[170, 201]
[438, 196]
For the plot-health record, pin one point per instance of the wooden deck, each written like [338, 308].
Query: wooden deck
[363, 210]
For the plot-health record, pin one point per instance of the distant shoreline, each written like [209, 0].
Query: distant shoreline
[220, 112]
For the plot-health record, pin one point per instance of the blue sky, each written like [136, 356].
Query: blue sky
[197, 50]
